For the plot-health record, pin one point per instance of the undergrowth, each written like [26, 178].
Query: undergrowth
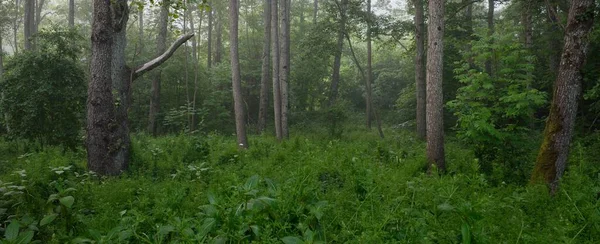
[310, 189]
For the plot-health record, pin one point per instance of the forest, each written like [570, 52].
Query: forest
[299, 121]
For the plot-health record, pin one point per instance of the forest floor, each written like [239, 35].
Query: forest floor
[308, 189]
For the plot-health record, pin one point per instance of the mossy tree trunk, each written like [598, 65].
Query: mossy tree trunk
[554, 152]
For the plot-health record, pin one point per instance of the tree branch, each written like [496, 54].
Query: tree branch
[152, 64]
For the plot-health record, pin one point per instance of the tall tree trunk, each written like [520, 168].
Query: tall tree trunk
[121, 83]
[209, 40]
[284, 73]
[15, 28]
[554, 152]
[335, 78]
[369, 96]
[420, 68]
[192, 105]
[100, 105]
[315, 11]
[490, 22]
[1, 74]
[469, 30]
[219, 41]
[275, 71]
[435, 58]
[196, 64]
[240, 121]
[161, 45]
[186, 16]
[29, 23]
[264, 81]
[71, 13]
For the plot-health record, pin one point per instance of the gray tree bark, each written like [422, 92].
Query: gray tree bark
[2, 74]
[435, 57]
[369, 96]
[16, 27]
[209, 40]
[275, 71]
[240, 121]
[284, 72]
[29, 23]
[554, 151]
[420, 69]
[315, 11]
[71, 13]
[161, 45]
[490, 22]
[219, 41]
[196, 63]
[335, 77]
[264, 81]
[100, 105]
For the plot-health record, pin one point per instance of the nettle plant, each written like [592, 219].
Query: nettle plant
[495, 110]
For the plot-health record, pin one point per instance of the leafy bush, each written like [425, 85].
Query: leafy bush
[44, 91]
[495, 112]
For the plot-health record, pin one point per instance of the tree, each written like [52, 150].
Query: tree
[71, 13]
[420, 68]
[240, 120]
[264, 81]
[29, 23]
[44, 92]
[335, 77]
[284, 73]
[369, 96]
[209, 39]
[107, 115]
[490, 22]
[275, 55]
[161, 45]
[554, 151]
[435, 62]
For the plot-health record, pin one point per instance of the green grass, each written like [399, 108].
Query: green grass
[310, 188]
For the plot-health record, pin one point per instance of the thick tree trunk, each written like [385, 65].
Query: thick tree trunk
[209, 40]
[240, 121]
[100, 105]
[555, 45]
[435, 57]
[71, 13]
[284, 72]
[192, 102]
[369, 96]
[29, 23]
[335, 77]
[161, 45]
[490, 22]
[264, 81]
[554, 152]
[420, 69]
[275, 71]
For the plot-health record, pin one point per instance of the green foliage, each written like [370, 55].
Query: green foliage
[44, 91]
[495, 112]
[309, 189]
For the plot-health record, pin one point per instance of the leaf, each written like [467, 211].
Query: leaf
[67, 201]
[466, 233]
[124, 235]
[12, 231]
[207, 226]
[25, 237]
[164, 230]
[292, 240]
[252, 182]
[48, 219]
